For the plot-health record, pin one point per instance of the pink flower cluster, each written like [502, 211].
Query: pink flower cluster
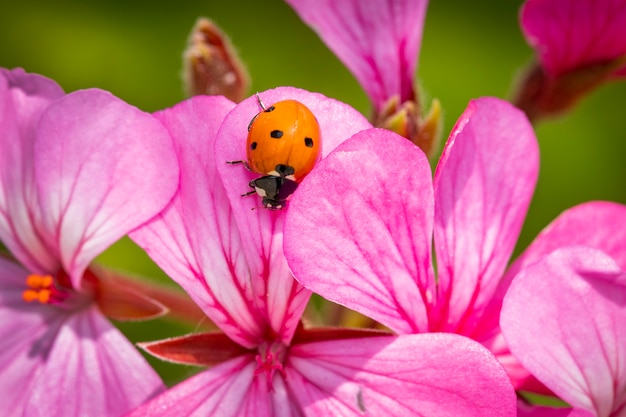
[428, 257]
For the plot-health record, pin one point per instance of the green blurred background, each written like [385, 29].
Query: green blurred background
[469, 49]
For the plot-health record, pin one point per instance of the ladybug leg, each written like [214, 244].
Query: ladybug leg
[245, 164]
[258, 99]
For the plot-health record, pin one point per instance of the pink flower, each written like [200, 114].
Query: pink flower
[573, 34]
[229, 258]
[75, 174]
[378, 41]
[370, 211]
[563, 318]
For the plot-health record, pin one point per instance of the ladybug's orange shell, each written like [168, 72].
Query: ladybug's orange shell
[298, 146]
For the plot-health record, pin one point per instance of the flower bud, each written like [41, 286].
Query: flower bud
[211, 65]
[405, 120]
[540, 94]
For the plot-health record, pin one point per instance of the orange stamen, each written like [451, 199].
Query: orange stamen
[41, 288]
[44, 296]
[39, 281]
[30, 295]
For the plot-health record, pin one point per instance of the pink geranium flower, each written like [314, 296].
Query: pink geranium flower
[370, 211]
[230, 260]
[75, 174]
[563, 318]
[370, 214]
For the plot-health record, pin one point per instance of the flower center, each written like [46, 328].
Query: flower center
[270, 360]
[43, 289]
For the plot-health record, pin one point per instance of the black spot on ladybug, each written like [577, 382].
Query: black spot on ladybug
[276, 134]
[308, 142]
[269, 109]
[253, 146]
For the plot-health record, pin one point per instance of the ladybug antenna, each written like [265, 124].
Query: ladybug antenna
[258, 98]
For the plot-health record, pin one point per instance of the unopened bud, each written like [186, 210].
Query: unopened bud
[211, 65]
[542, 95]
[405, 120]
[431, 126]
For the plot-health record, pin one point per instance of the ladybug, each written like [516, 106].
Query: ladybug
[283, 145]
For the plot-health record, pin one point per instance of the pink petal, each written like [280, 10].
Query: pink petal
[563, 317]
[12, 283]
[378, 41]
[279, 300]
[195, 240]
[570, 34]
[23, 98]
[493, 340]
[358, 231]
[412, 375]
[483, 186]
[24, 338]
[99, 171]
[590, 224]
[91, 370]
[227, 390]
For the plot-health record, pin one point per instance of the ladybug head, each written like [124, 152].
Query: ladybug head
[275, 190]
